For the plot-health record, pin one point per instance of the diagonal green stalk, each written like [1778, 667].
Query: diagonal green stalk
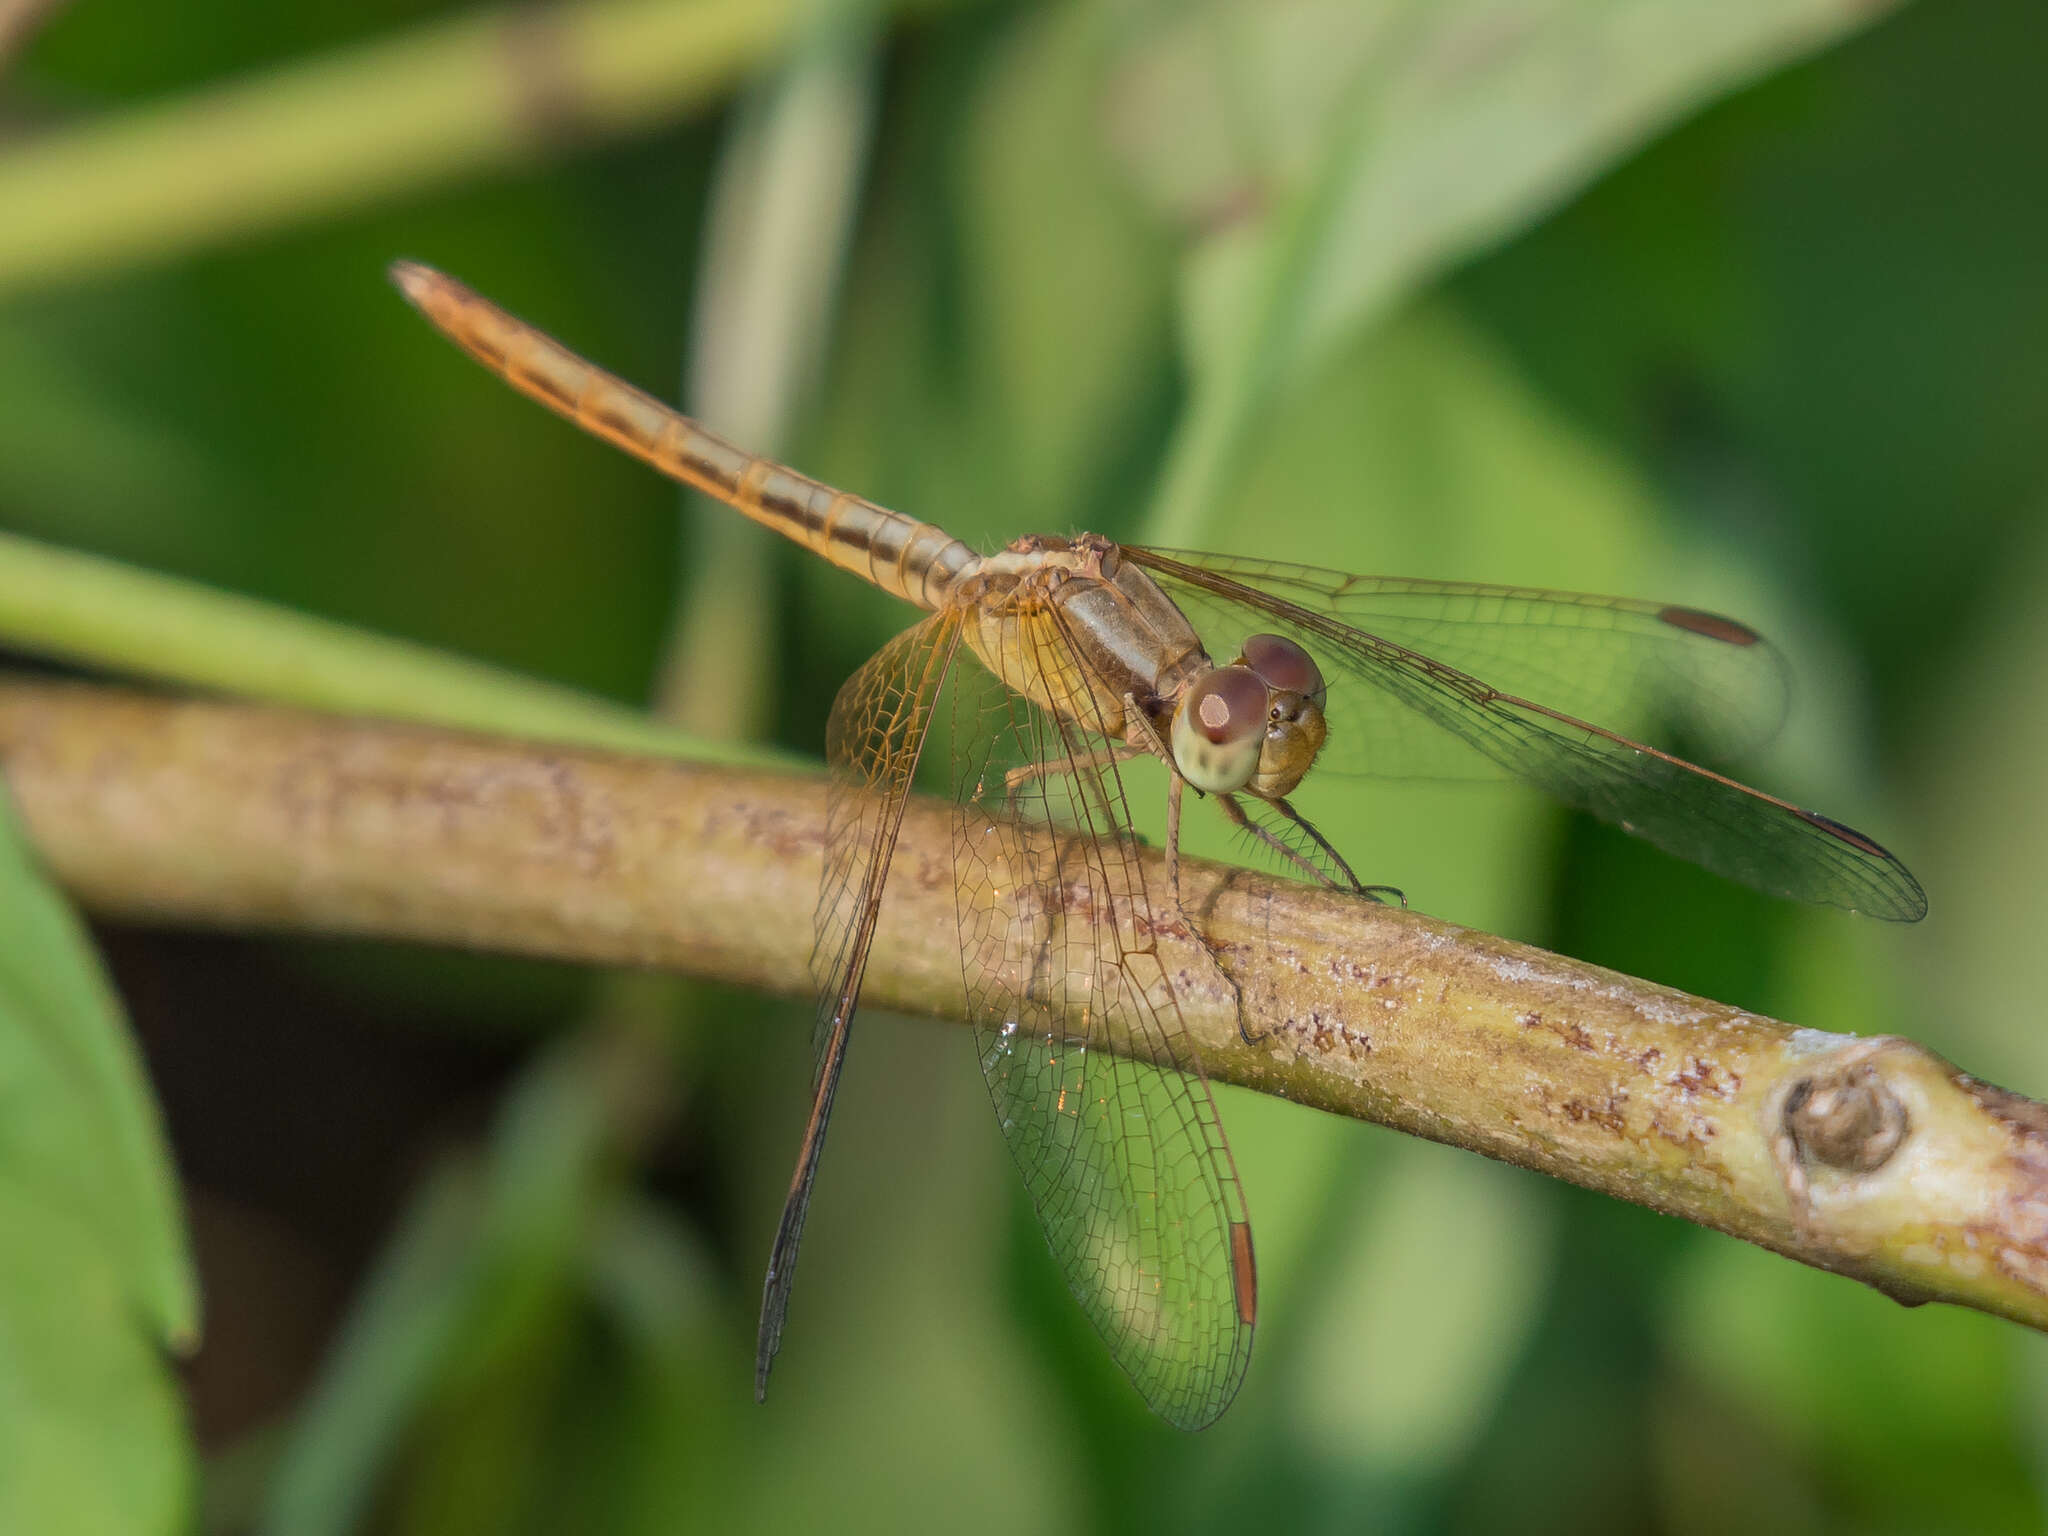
[100, 613]
[782, 212]
[1232, 385]
[393, 117]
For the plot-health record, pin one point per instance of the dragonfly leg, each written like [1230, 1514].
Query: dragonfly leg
[1389, 895]
[1173, 799]
[1234, 814]
[1064, 767]
[1145, 739]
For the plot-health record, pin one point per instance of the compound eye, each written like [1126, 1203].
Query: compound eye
[1219, 729]
[1285, 666]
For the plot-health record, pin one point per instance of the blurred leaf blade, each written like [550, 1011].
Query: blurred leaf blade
[96, 1134]
[79, 607]
[783, 206]
[1032, 159]
[384, 1364]
[1364, 151]
[679, 1453]
[92, 1434]
[95, 1275]
[478, 1273]
[1455, 1257]
[485, 89]
[460, 1346]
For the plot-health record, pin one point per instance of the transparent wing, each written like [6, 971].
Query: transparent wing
[874, 740]
[1394, 703]
[1644, 669]
[1125, 1160]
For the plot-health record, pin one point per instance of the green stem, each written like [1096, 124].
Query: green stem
[394, 117]
[81, 608]
[1235, 379]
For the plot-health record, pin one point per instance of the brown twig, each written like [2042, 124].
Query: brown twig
[1872, 1156]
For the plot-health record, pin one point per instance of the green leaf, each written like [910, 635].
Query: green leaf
[92, 1438]
[677, 1431]
[385, 1363]
[1058, 264]
[457, 1346]
[95, 1278]
[1431, 1310]
[1334, 157]
[77, 465]
[1911, 1416]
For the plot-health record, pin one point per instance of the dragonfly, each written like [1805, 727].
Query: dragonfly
[1039, 674]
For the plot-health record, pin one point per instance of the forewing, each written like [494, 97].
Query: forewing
[1394, 704]
[877, 733]
[1125, 1160]
[1660, 671]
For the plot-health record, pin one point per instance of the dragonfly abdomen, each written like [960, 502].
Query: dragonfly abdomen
[917, 561]
[905, 557]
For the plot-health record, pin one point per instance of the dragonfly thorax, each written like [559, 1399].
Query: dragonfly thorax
[1080, 631]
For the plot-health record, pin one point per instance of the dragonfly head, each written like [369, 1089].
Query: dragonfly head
[1256, 724]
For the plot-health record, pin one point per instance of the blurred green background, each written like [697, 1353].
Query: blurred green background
[1740, 305]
